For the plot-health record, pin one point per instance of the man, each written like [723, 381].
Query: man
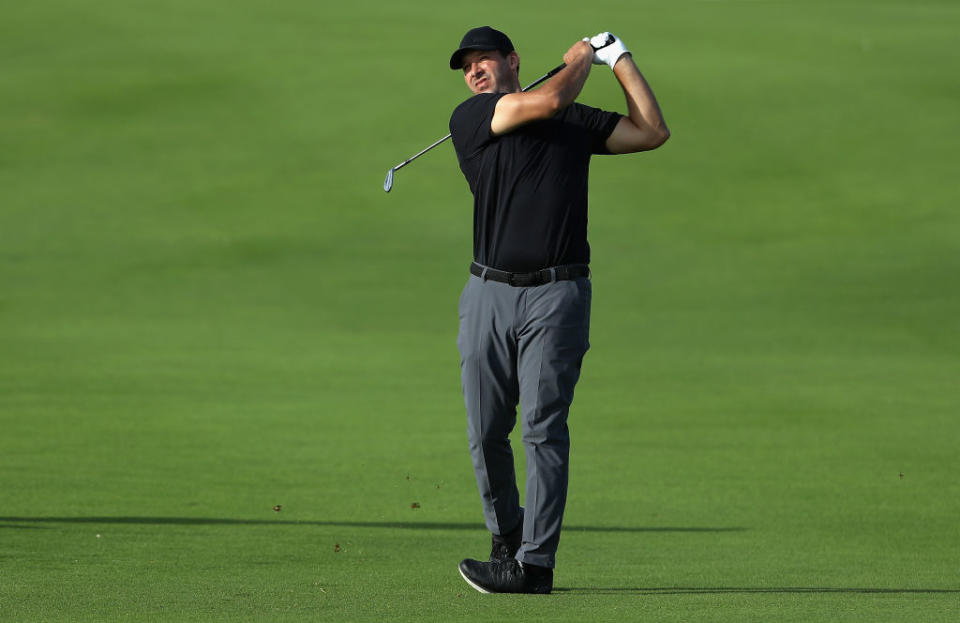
[525, 311]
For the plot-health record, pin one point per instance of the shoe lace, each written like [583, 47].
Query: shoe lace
[511, 571]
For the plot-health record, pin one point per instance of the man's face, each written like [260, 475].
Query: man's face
[489, 71]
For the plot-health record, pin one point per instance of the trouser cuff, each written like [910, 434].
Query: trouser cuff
[540, 560]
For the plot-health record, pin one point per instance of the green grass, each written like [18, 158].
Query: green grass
[208, 307]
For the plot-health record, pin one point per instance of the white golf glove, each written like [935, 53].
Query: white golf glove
[610, 54]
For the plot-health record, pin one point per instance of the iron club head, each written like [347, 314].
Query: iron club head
[388, 182]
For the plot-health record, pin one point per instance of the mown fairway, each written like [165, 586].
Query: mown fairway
[209, 307]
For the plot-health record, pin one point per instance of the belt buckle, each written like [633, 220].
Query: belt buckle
[525, 280]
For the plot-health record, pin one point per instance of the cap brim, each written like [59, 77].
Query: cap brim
[456, 61]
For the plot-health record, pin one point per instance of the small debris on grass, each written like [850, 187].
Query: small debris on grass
[336, 548]
[98, 536]
[901, 475]
[415, 505]
[277, 508]
[408, 476]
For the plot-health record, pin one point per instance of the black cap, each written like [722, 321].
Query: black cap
[482, 38]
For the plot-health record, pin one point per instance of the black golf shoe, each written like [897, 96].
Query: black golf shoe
[507, 576]
[506, 546]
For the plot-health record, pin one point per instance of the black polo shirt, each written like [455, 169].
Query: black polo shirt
[530, 185]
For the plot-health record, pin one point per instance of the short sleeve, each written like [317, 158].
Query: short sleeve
[470, 124]
[598, 123]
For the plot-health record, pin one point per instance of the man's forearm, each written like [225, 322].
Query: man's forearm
[515, 109]
[567, 84]
[641, 103]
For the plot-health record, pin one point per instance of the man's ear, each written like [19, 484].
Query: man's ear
[513, 59]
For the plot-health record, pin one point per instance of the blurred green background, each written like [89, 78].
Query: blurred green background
[209, 307]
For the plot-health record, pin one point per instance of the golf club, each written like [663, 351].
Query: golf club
[388, 182]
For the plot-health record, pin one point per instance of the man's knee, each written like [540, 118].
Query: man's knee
[547, 435]
[490, 434]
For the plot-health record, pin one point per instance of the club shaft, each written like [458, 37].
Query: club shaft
[417, 155]
[546, 76]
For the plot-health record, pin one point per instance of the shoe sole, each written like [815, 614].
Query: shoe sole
[472, 583]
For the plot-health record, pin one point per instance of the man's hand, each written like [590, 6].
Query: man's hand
[577, 51]
[610, 54]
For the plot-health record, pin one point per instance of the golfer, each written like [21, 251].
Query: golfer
[525, 311]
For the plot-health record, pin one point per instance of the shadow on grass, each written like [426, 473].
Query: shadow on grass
[403, 525]
[687, 590]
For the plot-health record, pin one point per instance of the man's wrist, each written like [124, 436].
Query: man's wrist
[626, 54]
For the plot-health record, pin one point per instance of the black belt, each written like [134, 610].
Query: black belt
[536, 278]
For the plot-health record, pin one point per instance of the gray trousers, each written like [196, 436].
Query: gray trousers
[526, 345]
